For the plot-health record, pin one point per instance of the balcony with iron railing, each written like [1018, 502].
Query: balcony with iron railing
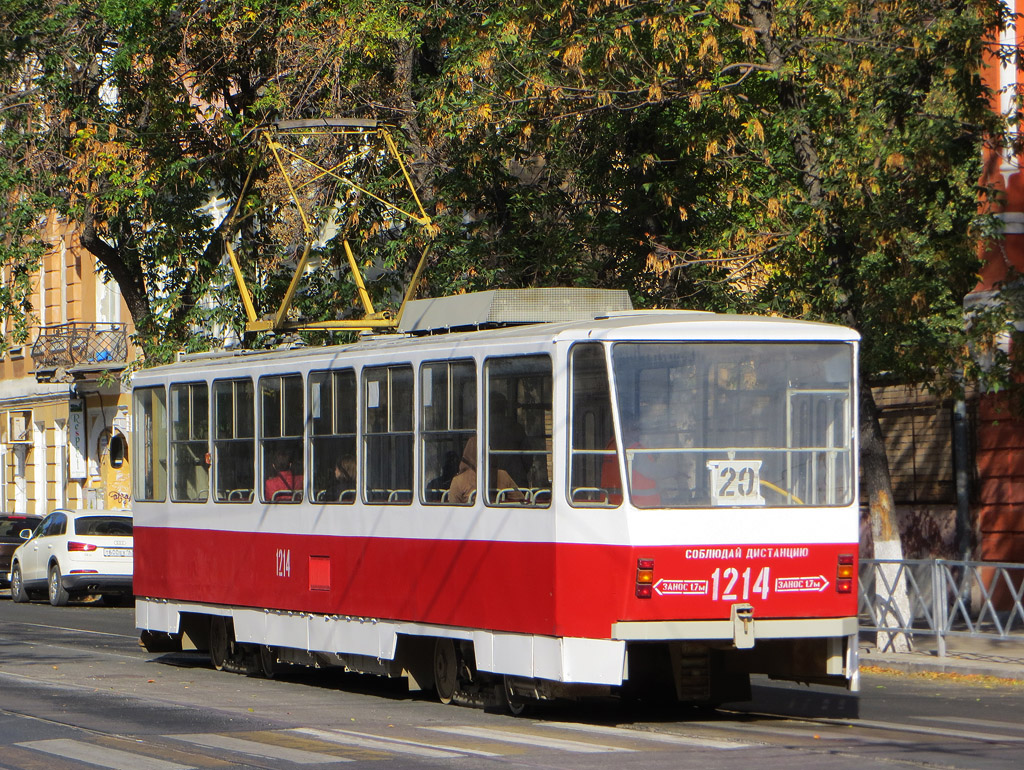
[79, 350]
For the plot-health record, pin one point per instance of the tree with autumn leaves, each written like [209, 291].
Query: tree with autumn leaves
[816, 160]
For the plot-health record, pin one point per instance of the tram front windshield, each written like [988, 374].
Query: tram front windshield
[736, 424]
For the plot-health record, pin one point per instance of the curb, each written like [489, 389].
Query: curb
[919, 664]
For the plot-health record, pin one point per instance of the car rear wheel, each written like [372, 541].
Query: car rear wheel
[58, 594]
[18, 592]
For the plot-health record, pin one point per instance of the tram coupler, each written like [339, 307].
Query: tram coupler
[742, 617]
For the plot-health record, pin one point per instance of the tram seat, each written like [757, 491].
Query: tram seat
[512, 495]
[541, 497]
[240, 495]
[400, 496]
[590, 496]
[287, 496]
[346, 496]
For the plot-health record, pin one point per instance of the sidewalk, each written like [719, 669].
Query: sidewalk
[969, 656]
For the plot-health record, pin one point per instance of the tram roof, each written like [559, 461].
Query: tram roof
[640, 325]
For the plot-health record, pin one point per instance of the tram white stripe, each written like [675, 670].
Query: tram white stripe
[638, 735]
[528, 739]
[101, 756]
[393, 745]
[258, 749]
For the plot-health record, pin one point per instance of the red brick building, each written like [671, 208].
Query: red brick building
[998, 499]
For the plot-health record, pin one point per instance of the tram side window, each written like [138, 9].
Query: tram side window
[518, 446]
[594, 464]
[332, 411]
[448, 414]
[281, 422]
[150, 461]
[234, 440]
[190, 451]
[388, 434]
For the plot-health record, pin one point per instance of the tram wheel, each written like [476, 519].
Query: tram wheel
[219, 642]
[266, 659]
[446, 670]
[515, 704]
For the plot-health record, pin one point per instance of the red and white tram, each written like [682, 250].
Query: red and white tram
[323, 506]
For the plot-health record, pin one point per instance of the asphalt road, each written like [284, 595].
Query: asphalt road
[77, 692]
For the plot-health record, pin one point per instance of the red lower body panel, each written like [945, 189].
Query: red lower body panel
[555, 589]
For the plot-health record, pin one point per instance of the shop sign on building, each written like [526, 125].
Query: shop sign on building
[76, 440]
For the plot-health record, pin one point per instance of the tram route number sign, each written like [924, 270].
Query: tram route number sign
[731, 584]
[735, 482]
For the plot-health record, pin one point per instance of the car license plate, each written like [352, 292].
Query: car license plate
[117, 551]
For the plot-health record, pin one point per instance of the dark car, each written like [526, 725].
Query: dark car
[15, 529]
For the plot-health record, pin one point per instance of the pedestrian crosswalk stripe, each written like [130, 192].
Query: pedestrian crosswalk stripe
[507, 736]
[393, 745]
[989, 723]
[259, 749]
[113, 759]
[621, 732]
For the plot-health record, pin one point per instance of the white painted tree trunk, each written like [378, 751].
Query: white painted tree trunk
[891, 596]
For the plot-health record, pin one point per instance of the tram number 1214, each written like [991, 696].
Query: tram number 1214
[284, 562]
[731, 584]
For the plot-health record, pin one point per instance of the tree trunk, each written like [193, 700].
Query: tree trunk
[129, 281]
[890, 579]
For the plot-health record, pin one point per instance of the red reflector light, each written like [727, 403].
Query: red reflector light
[846, 559]
[644, 578]
[844, 585]
[73, 546]
[84, 572]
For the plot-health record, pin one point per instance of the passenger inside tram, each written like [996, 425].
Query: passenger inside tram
[463, 486]
[281, 484]
[508, 436]
[440, 484]
[342, 481]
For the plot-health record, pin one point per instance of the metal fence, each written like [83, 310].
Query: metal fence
[943, 598]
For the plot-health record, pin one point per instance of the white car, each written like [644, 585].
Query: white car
[76, 553]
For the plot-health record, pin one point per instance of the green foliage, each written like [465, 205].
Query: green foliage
[815, 160]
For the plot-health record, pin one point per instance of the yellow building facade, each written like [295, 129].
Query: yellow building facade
[65, 423]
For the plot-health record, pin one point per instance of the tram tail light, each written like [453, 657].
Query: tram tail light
[75, 546]
[644, 578]
[844, 573]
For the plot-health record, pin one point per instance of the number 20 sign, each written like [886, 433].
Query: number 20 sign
[735, 482]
